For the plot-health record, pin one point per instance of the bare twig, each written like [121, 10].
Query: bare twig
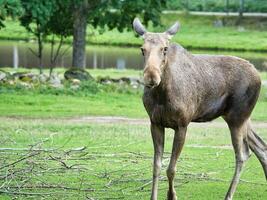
[19, 160]
[33, 52]
[25, 149]
[25, 193]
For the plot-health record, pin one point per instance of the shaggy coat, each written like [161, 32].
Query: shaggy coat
[200, 88]
[181, 88]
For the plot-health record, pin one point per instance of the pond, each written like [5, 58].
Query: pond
[18, 54]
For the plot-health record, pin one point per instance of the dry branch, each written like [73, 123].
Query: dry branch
[19, 160]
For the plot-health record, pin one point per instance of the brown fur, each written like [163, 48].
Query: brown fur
[181, 88]
[201, 88]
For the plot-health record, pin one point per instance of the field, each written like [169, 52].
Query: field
[51, 149]
[196, 32]
[217, 5]
[77, 159]
[90, 140]
[90, 99]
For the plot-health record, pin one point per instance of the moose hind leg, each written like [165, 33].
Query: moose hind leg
[178, 143]
[241, 148]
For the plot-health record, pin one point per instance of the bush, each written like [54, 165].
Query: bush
[84, 89]
[217, 5]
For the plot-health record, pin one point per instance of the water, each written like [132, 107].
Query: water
[17, 54]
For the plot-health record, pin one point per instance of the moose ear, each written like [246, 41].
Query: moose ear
[173, 30]
[138, 27]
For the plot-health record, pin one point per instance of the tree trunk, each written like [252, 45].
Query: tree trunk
[241, 11]
[55, 55]
[40, 52]
[241, 8]
[227, 7]
[80, 14]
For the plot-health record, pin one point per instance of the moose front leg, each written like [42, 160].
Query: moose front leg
[178, 143]
[157, 133]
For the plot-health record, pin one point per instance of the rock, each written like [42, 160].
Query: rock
[218, 23]
[134, 82]
[24, 84]
[74, 87]
[43, 78]
[25, 76]
[75, 81]
[126, 80]
[241, 29]
[3, 76]
[11, 82]
[55, 81]
[76, 73]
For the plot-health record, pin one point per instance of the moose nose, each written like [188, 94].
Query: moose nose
[151, 77]
[151, 82]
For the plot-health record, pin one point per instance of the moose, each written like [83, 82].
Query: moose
[180, 87]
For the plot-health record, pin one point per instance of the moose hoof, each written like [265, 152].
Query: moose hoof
[171, 196]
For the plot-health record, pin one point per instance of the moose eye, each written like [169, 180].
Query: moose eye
[143, 51]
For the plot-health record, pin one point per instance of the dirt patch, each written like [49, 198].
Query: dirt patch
[125, 120]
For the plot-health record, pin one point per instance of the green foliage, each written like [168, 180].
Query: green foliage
[61, 21]
[37, 14]
[120, 14]
[86, 88]
[42, 18]
[9, 8]
[195, 33]
[217, 5]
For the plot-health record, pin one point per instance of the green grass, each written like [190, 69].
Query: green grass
[91, 99]
[38, 105]
[263, 75]
[100, 104]
[196, 32]
[116, 162]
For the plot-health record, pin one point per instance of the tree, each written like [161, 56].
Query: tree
[35, 19]
[9, 8]
[80, 15]
[60, 27]
[108, 13]
[241, 11]
[44, 18]
[241, 8]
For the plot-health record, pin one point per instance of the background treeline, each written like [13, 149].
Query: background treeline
[218, 5]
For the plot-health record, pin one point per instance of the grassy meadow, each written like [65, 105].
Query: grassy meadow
[46, 154]
[92, 99]
[64, 159]
[196, 32]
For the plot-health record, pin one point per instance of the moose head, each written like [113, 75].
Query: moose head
[154, 51]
